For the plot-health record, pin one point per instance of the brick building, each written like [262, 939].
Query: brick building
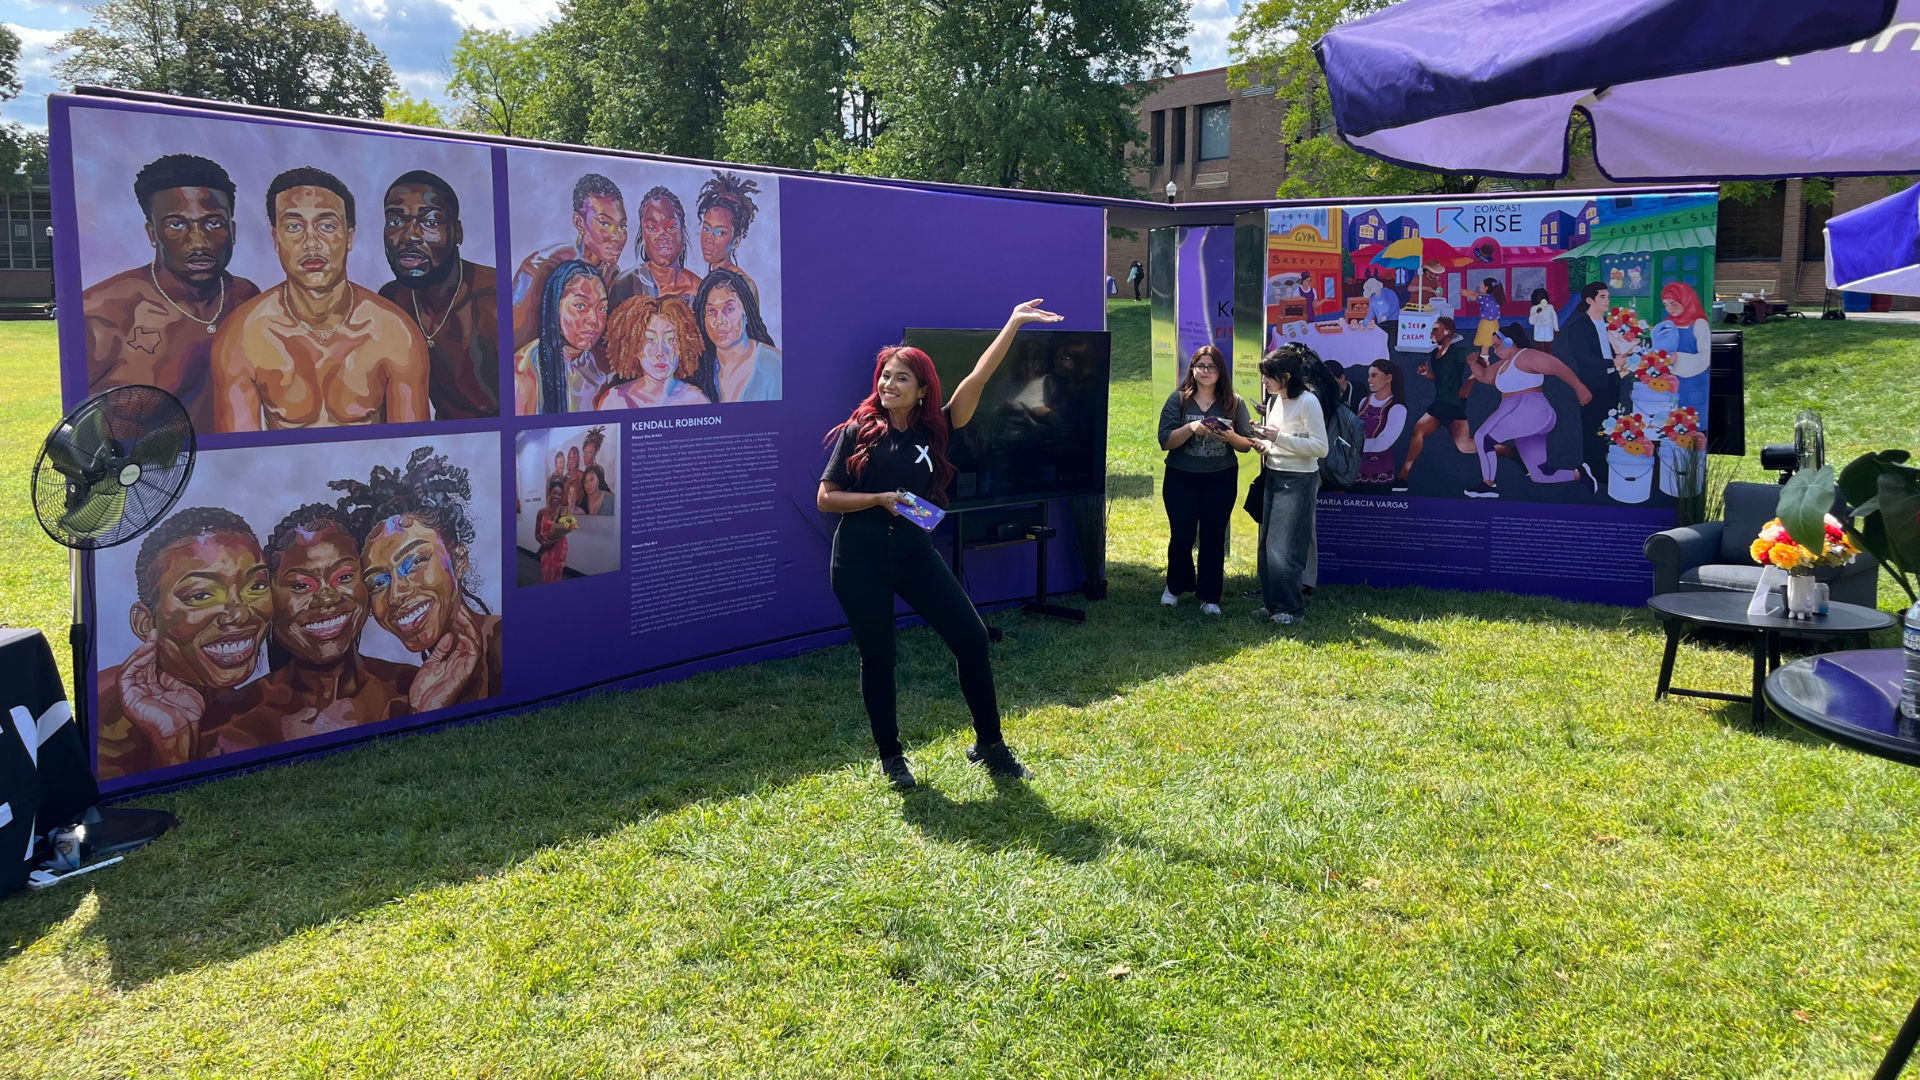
[1216, 143]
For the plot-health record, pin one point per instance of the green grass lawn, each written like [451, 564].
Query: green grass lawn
[1431, 834]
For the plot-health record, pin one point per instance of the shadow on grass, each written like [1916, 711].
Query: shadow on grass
[278, 852]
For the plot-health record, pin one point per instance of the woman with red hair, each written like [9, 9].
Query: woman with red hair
[1686, 334]
[895, 444]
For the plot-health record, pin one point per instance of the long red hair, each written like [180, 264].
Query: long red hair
[869, 421]
[1690, 310]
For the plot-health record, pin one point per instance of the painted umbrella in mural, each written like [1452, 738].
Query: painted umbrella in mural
[1675, 89]
[1411, 253]
[1877, 247]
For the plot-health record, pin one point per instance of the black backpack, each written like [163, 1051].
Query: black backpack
[1345, 435]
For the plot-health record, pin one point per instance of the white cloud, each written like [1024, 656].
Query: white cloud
[36, 76]
[1212, 21]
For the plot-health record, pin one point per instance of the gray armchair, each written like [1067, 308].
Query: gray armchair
[1713, 555]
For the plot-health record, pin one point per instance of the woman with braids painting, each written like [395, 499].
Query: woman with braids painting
[420, 585]
[559, 371]
[662, 247]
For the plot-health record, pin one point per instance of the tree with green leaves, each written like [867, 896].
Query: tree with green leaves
[644, 74]
[404, 108]
[497, 78]
[1010, 93]
[281, 53]
[1272, 45]
[23, 153]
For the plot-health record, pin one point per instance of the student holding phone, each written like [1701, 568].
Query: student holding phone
[895, 444]
[1202, 426]
[1291, 443]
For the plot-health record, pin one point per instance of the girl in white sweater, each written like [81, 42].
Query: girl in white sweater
[1291, 444]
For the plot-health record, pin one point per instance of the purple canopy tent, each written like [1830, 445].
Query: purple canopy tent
[1675, 89]
[1877, 247]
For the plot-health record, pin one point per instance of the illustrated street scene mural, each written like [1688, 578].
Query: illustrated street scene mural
[1545, 350]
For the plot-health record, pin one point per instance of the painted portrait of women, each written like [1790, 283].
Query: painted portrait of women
[739, 355]
[559, 370]
[421, 585]
[726, 210]
[654, 346]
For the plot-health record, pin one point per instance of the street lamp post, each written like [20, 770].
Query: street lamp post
[1173, 191]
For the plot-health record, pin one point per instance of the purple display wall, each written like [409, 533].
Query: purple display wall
[409, 561]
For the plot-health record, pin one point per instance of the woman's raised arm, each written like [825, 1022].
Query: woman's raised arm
[966, 396]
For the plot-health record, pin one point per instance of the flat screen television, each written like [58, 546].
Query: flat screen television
[1040, 430]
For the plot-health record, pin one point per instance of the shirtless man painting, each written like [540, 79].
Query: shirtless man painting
[600, 235]
[155, 323]
[316, 350]
[450, 299]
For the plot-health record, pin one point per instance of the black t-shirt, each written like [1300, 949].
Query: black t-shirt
[899, 461]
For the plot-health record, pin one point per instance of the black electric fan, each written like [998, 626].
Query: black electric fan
[108, 472]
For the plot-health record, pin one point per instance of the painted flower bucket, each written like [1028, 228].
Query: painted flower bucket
[1683, 472]
[1653, 404]
[1629, 476]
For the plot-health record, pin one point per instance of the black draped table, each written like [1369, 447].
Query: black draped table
[46, 777]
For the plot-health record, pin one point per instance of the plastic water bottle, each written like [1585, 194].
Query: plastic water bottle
[1910, 686]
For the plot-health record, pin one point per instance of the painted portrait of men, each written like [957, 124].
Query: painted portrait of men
[449, 298]
[202, 614]
[155, 323]
[662, 245]
[600, 236]
[316, 350]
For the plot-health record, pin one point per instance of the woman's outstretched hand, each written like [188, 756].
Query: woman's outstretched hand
[1030, 312]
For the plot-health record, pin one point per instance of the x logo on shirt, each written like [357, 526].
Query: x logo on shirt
[923, 456]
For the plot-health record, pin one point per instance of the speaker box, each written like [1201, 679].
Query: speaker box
[1727, 395]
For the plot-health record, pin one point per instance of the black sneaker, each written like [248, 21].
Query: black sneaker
[999, 761]
[1483, 490]
[1399, 486]
[1586, 473]
[897, 772]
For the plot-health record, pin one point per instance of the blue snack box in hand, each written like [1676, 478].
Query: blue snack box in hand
[921, 513]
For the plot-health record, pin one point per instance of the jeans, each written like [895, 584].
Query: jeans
[1286, 532]
[1198, 503]
[871, 564]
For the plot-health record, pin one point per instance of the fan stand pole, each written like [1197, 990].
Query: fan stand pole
[77, 637]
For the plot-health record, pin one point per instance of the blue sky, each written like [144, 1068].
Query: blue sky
[417, 36]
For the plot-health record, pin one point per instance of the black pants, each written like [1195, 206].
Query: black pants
[1136, 288]
[1198, 503]
[871, 564]
[1594, 445]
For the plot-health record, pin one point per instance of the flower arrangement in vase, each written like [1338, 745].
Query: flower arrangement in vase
[1778, 548]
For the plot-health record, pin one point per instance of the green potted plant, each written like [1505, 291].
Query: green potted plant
[1884, 493]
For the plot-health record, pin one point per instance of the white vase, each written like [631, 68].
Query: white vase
[1802, 600]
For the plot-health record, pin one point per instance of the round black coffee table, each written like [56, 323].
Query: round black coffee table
[1727, 611]
[1853, 699]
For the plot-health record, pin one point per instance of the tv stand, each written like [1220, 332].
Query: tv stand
[1037, 533]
